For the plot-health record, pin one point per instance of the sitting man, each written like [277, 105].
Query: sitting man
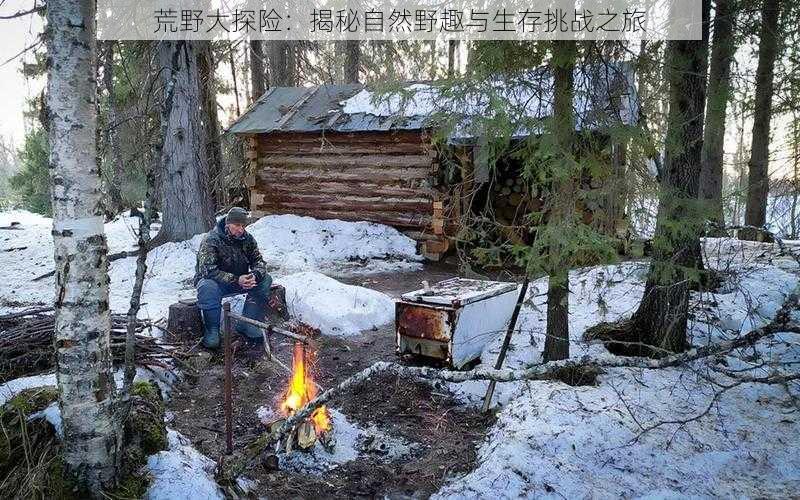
[229, 263]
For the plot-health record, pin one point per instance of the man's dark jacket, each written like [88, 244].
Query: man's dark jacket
[224, 258]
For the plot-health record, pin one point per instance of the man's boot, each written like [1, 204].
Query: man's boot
[211, 327]
[255, 311]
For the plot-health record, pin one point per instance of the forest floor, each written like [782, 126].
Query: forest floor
[690, 430]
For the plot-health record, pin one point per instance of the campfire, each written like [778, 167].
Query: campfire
[301, 390]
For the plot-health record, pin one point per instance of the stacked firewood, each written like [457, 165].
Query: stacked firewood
[26, 344]
[511, 199]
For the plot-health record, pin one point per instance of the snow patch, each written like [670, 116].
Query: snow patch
[53, 415]
[289, 244]
[333, 307]
[181, 472]
[13, 387]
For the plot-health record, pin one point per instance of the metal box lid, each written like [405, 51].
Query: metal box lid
[457, 292]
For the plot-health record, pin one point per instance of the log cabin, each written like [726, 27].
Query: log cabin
[413, 158]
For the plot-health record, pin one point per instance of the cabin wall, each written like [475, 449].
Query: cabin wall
[384, 177]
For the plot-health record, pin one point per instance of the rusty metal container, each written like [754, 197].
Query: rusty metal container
[454, 319]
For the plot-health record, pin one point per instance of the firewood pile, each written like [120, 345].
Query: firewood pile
[26, 344]
[511, 199]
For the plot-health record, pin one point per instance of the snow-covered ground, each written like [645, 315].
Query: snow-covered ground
[550, 440]
[556, 441]
[296, 249]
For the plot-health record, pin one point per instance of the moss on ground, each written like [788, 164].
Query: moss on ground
[31, 463]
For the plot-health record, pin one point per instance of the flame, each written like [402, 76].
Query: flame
[302, 389]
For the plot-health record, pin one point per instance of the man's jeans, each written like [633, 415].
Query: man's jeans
[211, 292]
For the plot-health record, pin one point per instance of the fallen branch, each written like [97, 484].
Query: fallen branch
[27, 347]
[28, 312]
[545, 371]
[111, 258]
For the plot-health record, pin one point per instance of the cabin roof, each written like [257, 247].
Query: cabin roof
[605, 96]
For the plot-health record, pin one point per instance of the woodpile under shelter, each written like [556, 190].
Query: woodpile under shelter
[348, 152]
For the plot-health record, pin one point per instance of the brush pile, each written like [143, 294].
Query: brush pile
[26, 344]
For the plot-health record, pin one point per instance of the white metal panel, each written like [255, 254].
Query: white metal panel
[459, 291]
[479, 323]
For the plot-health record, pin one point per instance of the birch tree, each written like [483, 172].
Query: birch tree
[82, 326]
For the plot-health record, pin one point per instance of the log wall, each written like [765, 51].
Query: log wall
[384, 177]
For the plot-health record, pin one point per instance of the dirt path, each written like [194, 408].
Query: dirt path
[443, 434]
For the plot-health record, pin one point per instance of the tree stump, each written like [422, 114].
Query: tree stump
[184, 319]
[186, 322]
[277, 310]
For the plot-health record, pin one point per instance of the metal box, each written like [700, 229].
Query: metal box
[454, 319]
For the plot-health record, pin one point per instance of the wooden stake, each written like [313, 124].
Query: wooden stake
[226, 330]
[487, 400]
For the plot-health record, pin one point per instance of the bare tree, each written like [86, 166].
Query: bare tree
[452, 47]
[282, 63]
[352, 56]
[719, 82]
[84, 374]
[258, 76]
[208, 98]
[758, 177]
[186, 201]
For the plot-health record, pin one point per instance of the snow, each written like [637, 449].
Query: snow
[333, 307]
[53, 415]
[13, 387]
[290, 244]
[181, 472]
[552, 440]
[526, 99]
[293, 243]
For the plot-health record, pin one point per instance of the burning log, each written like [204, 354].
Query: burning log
[302, 389]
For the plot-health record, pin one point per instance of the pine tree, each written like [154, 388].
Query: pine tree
[758, 176]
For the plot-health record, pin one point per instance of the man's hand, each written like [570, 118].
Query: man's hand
[247, 281]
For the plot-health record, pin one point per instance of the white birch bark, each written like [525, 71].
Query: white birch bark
[82, 326]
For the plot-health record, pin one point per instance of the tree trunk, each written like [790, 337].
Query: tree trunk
[258, 80]
[662, 316]
[452, 46]
[186, 202]
[112, 160]
[795, 142]
[722, 52]
[232, 62]
[352, 56]
[758, 177]
[208, 94]
[556, 344]
[85, 381]
[281, 63]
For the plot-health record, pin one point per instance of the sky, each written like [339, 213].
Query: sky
[15, 36]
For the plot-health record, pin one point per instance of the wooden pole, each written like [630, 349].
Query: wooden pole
[269, 328]
[226, 330]
[487, 400]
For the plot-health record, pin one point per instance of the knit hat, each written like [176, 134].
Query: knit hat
[236, 215]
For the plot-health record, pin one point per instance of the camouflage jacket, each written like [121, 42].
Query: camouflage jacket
[224, 258]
